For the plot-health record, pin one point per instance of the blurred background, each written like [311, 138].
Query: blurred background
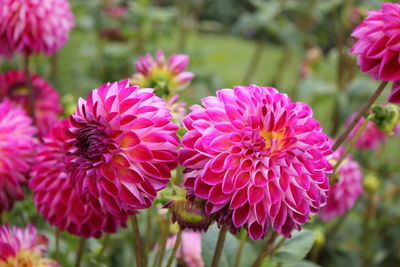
[300, 47]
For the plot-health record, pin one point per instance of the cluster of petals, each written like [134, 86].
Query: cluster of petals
[17, 147]
[189, 251]
[56, 197]
[34, 26]
[13, 86]
[258, 158]
[378, 46]
[23, 247]
[121, 147]
[166, 77]
[370, 138]
[344, 194]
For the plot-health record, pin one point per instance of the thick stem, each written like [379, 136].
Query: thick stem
[220, 246]
[358, 116]
[104, 245]
[136, 241]
[31, 93]
[265, 250]
[164, 227]
[254, 62]
[243, 237]
[79, 252]
[147, 241]
[57, 234]
[175, 249]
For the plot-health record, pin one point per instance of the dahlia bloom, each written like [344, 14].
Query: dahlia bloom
[23, 247]
[189, 251]
[16, 153]
[258, 158]
[33, 26]
[121, 147]
[378, 46]
[13, 86]
[56, 197]
[344, 194]
[370, 138]
[165, 77]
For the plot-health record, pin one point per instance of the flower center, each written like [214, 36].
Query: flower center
[272, 139]
[91, 144]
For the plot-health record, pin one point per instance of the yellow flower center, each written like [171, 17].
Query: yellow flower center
[28, 258]
[273, 140]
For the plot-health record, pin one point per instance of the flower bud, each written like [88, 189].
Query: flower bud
[371, 182]
[385, 117]
[190, 214]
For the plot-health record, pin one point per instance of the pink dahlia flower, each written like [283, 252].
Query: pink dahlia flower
[344, 194]
[165, 77]
[13, 86]
[370, 138]
[23, 247]
[121, 147]
[56, 197]
[16, 153]
[257, 158]
[189, 251]
[378, 47]
[34, 26]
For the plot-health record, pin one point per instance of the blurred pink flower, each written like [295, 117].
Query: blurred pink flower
[117, 12]
[23, 247]
[13, 86]
[344, 194]
[16, 153]
[34, 26]
[257, 158]
[121, 147]
[378, 47]
[56, 197]
[189, 251]
[370, 138]
[165, 77]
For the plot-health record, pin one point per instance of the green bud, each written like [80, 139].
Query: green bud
[371, 182]
[385, 117]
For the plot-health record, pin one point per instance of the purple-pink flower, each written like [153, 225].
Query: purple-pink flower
[17, 146]
[121, 148]
[14, 87]
[258, 158]
[344, 194]
[34, 26]
[378, 47]
[166, 77]
[57, 198]
[189, 251]
[23, 247]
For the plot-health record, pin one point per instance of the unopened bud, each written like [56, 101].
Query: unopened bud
[385, 117]
[190, 214]
[371, 182]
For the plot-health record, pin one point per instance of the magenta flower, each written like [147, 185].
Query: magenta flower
[13, 86]
[121, 148]
[23, 247]
[378, 46]
[257, 158]
[370, 138]
[33, 26]
[166, 77]
[16, 153]
[344, 194]
[189, 251]
[56, 197]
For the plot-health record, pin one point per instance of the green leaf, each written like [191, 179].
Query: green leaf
[296, 248]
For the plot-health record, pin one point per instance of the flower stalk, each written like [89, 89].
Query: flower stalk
[136, 241]
[79, 252]
[359, 115]
[265, 250]
[220, 246]
[243, 237]
[175, 249]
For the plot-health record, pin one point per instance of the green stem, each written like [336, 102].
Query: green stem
[164, 227]
[220, 245]
[104, 246]
[359, 115]
[175, 249]
[265, 250]
[243, 237]
[79, 252]
[334, 176]
[147, 241]
[57, 252]
[136, 241]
